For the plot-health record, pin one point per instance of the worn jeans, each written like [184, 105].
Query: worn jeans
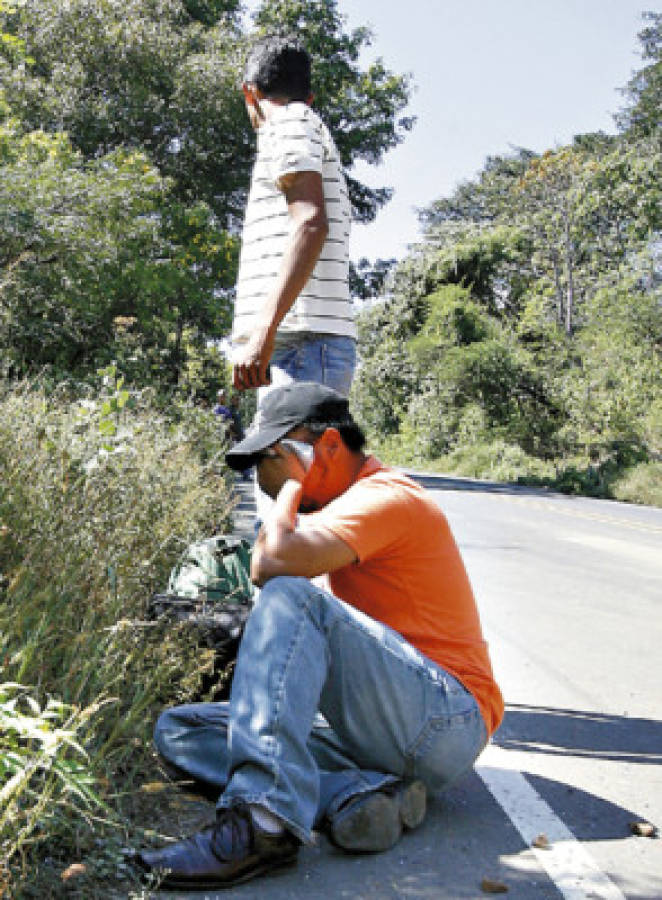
[325, 358]
[389, 712]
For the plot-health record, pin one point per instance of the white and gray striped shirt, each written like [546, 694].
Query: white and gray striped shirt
[294, 140]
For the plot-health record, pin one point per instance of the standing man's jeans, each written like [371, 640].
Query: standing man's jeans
[324, 358]
[391, 712]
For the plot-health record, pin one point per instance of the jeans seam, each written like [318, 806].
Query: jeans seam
[279, 697]
[413, 750]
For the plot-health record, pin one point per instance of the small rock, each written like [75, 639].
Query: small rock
[153, 787]
[643, 829]
[491, 886]
[73, 871]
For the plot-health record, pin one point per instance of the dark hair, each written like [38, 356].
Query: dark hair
[279, 67]
[332, 414]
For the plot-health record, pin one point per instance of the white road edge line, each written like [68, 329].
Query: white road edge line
[571, 868]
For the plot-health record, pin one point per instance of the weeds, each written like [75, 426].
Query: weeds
[98, 495]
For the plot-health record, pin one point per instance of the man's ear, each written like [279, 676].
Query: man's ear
[329, 443]
[252, 94]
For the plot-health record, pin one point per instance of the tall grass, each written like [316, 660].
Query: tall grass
[98, 495]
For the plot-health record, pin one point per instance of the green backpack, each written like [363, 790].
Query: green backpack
[210, 594]
[216, 570]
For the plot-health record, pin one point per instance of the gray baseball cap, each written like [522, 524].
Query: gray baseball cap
[282, 410]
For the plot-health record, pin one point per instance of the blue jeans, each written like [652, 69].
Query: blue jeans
[389, 712]
[325, 358]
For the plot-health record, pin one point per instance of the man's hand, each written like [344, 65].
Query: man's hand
[251, 366]
[284, 548]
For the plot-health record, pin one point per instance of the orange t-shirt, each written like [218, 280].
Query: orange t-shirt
[410, 576]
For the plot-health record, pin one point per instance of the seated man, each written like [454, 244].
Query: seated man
[394, 660]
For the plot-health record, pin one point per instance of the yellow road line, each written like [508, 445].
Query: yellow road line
[581, 514]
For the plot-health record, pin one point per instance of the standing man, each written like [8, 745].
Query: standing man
[293, 315]
[394, 659]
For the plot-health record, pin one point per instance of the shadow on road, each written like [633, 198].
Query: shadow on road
[451, 483]
[571, 732]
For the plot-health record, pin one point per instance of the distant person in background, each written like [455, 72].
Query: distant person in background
[293, 311]
[237, 429]
[222, 409]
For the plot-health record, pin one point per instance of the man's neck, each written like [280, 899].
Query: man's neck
[271, 105]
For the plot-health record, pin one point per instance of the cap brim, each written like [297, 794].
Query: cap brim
[242, 455]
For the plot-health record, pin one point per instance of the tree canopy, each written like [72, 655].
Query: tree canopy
[125, 163]
[529, 319]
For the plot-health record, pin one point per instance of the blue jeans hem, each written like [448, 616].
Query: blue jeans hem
[228, 800]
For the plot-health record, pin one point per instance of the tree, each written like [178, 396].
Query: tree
[128, 158]
[83, 243]
[159, 76]
[641, 117]
[528, 318]
[367, 281]
[481, 201]
[549, 193]
[163, 76]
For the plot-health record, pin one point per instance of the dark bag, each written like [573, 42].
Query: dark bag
[210, 592]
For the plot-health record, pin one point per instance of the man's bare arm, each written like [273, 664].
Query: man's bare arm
[304, 194]
[284, 549]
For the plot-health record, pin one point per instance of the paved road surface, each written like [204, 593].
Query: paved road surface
[570, 593]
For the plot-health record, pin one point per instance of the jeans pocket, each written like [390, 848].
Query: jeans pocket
[339, 362]
[447, 747]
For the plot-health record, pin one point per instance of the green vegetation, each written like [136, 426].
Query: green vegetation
[521, 340]
[125, 157]
[98, 495]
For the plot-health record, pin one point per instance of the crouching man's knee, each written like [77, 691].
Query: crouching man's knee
[288, 595]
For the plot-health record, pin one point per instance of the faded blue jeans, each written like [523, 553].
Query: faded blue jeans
[325, 358]
[390, 712]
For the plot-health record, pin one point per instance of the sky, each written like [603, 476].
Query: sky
[489, 75]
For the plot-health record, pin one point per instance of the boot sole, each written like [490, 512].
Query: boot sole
[374, 823]
[193, 884]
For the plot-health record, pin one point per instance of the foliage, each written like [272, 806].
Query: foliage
[94, 511]
[125, 157]
[82, 244]
[125, 81]
[367, 280]
[644, 91]
[523, 335]
[43, 767]
[163, 76]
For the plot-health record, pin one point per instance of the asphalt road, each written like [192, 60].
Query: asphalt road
[570, 594]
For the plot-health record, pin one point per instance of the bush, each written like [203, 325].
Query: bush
[98, 495]
[494, 460]
[640, 484]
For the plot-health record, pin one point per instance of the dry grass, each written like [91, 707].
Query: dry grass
[98, 495]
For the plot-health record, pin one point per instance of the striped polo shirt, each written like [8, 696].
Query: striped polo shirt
[294, 140]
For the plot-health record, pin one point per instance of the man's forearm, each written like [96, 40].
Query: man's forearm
[270, 552]
[301, 254]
